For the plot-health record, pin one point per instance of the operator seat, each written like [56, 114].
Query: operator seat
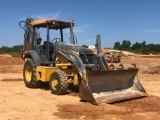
[38, 40]
[51, 48]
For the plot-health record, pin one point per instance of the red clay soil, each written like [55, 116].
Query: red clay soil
[145, 105]
[148, 56]
[148, 104]
[19, 102]
[6, 60]
[84, 111]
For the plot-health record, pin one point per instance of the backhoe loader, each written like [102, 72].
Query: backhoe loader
[60, 64]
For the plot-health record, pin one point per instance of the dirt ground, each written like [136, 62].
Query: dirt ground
[19, 102]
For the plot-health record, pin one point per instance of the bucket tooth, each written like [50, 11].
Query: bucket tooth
[111, 66]
[121, 67]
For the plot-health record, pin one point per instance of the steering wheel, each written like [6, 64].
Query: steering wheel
[56, 40]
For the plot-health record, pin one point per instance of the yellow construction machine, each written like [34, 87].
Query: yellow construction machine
[60, 64]
[112, 58]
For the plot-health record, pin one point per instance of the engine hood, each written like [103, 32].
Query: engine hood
[73, 47]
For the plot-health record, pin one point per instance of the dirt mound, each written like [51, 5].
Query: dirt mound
[150, 103]
[148, 56]
[126, 53]
[11, 69]
[6, 60]
[5, 55]
[143, 105]
[147, 107]
[152, 70]
[85, 111]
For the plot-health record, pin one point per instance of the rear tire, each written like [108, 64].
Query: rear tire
[29, 74]
[58, 82]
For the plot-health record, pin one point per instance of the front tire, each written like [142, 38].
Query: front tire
[58, 82]
[29, 74]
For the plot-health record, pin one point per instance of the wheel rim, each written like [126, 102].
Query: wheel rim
[28, 73]
[54, 83]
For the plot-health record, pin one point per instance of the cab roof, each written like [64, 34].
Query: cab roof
[53, 24]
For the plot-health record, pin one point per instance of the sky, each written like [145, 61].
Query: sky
[114, 20]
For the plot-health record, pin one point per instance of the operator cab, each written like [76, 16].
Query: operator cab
[45, 46]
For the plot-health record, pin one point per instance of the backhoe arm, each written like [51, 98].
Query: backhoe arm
[30, 34]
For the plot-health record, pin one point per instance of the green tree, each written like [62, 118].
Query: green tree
[141, 48]
[85, 46]
[136, 46]
[144, 43]
[126, 45]
[117, 45]
[11, 50]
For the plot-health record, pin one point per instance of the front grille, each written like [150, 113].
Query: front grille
[90, 58]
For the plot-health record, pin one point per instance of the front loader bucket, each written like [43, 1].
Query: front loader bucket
[111, 86]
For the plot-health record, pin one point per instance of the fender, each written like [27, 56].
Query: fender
[34, 56]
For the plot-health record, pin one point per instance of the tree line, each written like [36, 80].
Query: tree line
[14, 51]
[140, 48]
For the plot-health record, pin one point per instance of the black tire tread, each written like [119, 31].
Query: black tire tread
[33, 83]
[64, 82]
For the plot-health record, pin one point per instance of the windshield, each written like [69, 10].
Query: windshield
[54, 35]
